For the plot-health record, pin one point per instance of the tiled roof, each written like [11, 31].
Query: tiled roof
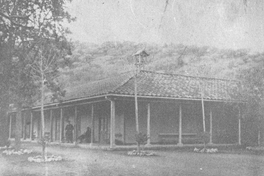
[96, 88]
[154, 84]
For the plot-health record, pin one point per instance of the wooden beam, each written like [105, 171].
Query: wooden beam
[211, 127]
[31, 126]
[112, 124]
[92, 128]
[180, 125]
[10, 126]
[75, 124]
[39, 128]
[56, 128]
[148, 98]
[136, 103]
[61, 123]
[148, 124]
[24, 125]
[56, 106]
[51, 125]
[239, 127]
[124, 137]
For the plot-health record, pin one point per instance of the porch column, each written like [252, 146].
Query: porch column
[239, 127]
[31, 126]
[180, 125]
[211, 127]
[23, 125]
[10, 126]
[239, 131]
[75, 125]
[39, 128]
[51, 126]
[56, 128]
[61, 127]
[148, 125]
[92, 128]
[112, 123]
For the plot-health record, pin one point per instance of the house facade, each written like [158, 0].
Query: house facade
[172, 109]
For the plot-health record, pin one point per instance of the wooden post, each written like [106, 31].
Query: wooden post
[211, 127]
[180, 125]
[51, 126]
[112, 133]
[38, 128]
[24, 125]
[61, 127]
[124, 123]
[75, 125]
[239, 131]
[239, 127]
[31, 126]
[56, 128]
[148, 124]
[124, 129]
[22, 128]
[92, 128]
[10, 126]
[136, 104]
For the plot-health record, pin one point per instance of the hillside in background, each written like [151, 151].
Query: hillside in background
[91, 62]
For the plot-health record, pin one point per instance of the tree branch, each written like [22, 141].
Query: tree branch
[15, 23]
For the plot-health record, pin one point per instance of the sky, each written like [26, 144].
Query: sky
[234, 24]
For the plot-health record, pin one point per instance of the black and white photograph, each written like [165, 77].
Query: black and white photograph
[131, 88]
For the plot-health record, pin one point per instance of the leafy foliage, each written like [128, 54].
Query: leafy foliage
[252, 90]
[91, 61]
[141, 138]
[27, 27]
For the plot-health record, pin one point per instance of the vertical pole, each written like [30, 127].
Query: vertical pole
[24, 125]
[211, 127]
[239, 127]
[136, 103]
[92, 128]
[124, 123]
[10, 126]
[61, 127]
[180, 125]
[148, 125]
[112, 134]
[31, 126]
[42, 104]
[202, 99]
[39, 128]
[56, 128]
[75, 125]
[51, 126]
[124, 129]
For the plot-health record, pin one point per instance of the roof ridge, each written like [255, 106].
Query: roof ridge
[200, 77]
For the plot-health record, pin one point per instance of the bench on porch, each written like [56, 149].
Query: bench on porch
[172, 138]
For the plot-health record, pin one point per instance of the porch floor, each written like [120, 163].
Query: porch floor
[132, 146]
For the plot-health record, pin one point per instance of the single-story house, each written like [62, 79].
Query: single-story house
[170, 110]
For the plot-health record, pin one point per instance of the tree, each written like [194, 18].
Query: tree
[252, 90]
[44, 71]
[24, 24]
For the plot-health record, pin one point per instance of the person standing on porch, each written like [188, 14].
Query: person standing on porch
[69, 132]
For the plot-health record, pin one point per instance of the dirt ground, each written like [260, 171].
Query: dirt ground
[82, 162]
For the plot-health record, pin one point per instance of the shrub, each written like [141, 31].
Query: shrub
[141, 138]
